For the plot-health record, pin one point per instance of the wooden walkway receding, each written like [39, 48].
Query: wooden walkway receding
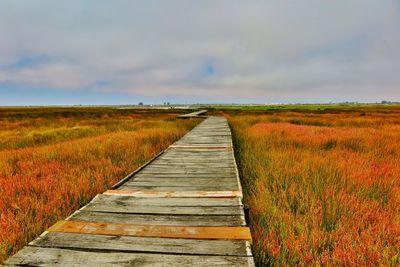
[182, 209]
[195, 114]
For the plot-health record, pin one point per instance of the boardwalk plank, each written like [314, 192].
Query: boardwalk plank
[174, 194]
[188, 171]
[152, 181]
[157, 219]
[177, 202]
[126, 207]
[184, 176]
[193, 168]
[37, 256]
[143, 244]
[130, 186]
[162, 231]
[193, 114]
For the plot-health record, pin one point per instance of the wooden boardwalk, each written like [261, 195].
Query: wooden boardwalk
[182, 209]
[195, 114]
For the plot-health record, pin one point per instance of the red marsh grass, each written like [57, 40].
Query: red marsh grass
[323, 187]
[53, 161]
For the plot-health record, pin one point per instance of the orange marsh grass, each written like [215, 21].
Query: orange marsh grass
[321, 195]
[40, 184]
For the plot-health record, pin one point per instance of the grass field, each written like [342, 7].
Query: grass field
[322, 183]
[323, 186]
[54, 160]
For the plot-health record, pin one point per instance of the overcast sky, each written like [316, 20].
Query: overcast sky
[190, 51]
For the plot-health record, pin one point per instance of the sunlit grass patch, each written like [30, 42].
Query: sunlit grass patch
[322, 188]
[55, 165]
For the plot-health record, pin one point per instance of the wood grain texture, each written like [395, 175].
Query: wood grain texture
[37, 256]
[183, 181]
[143, 244]
[182, 175]
[175, 202]
[161, 231]
[102, 205]
[160, 219]
[179, 188]
[181, 194]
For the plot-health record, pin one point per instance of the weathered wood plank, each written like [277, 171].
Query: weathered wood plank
[217, 142]
[36, 256]
[206, 158]
[214, 168]
[193, 165]
[189, 162]
[205, 139]
[180, 194]
[160, 219]
[177, 170]
[162, 231]
[202, 136]
[198, 156]
[176, 202]
[169, 157]
[207, 147]
[199, 152]
[152, 181]
[131, 186]
[127, 207]
[196, 159]
[185, 182]
[188, 171]
[193, 114]
[188, 175]
[184, 176]
[156, 174]
[193, 162]
[143, 244]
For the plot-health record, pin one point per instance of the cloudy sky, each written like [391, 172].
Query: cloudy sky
[189, 51]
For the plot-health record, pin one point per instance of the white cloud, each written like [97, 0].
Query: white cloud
[260, 50]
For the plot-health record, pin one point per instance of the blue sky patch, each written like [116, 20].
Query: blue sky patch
[29, 61]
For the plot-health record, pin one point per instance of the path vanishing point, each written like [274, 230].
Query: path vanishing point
[183, 208]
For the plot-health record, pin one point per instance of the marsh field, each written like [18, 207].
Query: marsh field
[322, 183]
[55, 160]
